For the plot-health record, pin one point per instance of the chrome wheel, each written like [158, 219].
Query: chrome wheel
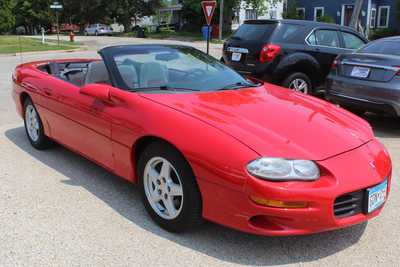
[163, 188]
[32, 122]
[299, 85]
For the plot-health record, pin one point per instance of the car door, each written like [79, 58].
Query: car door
[80, 122]
[326, 46]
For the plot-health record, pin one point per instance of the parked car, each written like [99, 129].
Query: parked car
[369, 79]
[293, 53]
[65, 27]
[201, 141]
[98, 29]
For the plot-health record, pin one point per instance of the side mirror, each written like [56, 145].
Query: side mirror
[98, 91]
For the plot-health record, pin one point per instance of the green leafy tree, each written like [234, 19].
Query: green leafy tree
[84, 12]
[398, 10]
[291, 12]
[7, 18]
[127, 11]
[33, 14]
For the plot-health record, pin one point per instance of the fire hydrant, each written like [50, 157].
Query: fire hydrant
[71, 37]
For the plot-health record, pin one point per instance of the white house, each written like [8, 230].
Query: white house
[246, 12]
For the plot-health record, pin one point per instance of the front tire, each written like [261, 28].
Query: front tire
[298, 82]
[34, 127]
[169, 190]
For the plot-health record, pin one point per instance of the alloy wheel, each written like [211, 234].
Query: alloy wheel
[32, 123]
[163, 188]
[299, 85]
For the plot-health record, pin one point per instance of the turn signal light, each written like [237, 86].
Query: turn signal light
[279, 203]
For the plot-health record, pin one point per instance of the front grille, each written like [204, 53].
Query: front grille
[349, 204]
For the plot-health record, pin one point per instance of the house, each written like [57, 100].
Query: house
[274, 10]
[374, 13]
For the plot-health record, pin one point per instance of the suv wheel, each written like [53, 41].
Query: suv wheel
[298, 82]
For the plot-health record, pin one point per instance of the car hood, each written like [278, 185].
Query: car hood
[274, 121]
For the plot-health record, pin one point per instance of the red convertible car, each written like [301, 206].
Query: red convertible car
[201, 141]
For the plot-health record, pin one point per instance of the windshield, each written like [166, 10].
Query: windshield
[387, 47]
[148, 68]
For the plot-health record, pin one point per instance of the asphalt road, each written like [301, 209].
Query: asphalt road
[58, 209]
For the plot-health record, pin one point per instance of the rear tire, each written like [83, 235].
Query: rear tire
[298, 82]
[169, 190]
[34, 127]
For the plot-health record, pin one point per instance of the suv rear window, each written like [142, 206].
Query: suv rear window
[289, 33]
[382, 47]
[254, 32]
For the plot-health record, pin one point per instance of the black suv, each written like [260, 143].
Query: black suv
[296, 54]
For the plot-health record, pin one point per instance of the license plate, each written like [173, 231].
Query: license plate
[377, 196]
[360, 72]
[236, 56]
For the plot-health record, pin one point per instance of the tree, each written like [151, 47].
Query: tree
[85, 11]
[33, 14]
[398, 10]
[126, 11]
[291, 11]
[7, 18]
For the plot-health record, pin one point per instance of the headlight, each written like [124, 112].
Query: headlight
[278, 169]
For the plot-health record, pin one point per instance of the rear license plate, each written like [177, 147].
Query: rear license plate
[236, 56]
[377, 196]
[360, 72]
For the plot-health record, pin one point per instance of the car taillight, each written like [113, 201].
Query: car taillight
[269, 52]
[334, 64]
[398, 70]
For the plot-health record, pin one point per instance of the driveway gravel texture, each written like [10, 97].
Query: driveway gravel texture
[59, 209]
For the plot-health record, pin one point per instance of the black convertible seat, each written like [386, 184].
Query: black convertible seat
[97, 73]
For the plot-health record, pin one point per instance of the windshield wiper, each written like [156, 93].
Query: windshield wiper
[163, 88]
[237, 86]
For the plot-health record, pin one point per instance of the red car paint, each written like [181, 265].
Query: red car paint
[219, 133]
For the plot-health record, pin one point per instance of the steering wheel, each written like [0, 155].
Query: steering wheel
[194, 72]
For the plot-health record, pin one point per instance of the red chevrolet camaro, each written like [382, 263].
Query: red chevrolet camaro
[201, 141]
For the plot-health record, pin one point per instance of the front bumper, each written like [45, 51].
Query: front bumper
[353, 171]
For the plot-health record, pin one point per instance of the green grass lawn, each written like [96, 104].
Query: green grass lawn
[11, 44]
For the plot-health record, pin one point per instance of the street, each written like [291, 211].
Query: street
[57, 208]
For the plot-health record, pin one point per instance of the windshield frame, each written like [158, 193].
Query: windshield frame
[110, 53]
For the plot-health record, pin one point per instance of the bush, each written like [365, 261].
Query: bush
[382, 33]
[327, 19]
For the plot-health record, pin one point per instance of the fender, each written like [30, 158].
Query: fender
[301, 62]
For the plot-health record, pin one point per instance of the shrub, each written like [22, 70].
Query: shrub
[327, 19]
[381, 33]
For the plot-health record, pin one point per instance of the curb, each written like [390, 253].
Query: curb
[46, 52]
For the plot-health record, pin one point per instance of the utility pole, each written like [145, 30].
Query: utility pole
[221, 18]
[356, 14]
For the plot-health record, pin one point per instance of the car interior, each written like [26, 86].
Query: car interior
[80, 73]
